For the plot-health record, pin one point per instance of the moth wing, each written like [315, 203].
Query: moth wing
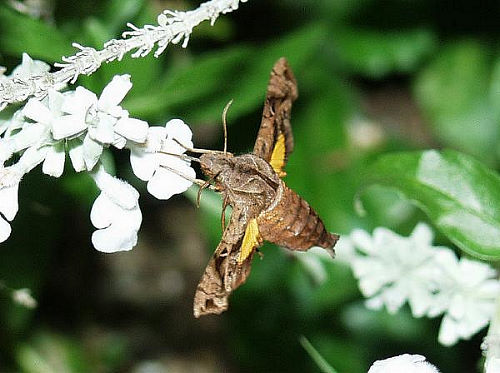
[275, 139]
[229, 266]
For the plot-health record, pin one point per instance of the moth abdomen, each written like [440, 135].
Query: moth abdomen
[294, 224]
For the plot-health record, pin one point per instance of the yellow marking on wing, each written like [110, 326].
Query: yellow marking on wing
[251, 240]
[277, 161]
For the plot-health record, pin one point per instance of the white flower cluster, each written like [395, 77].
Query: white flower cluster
[393, 270]
[82, 125]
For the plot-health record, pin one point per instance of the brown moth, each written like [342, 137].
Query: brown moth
[263, 207]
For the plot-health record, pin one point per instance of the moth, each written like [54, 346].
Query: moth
[263, 207]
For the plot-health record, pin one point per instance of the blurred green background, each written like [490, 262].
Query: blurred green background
[374, 76]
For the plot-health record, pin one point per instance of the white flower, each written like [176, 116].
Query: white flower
[29, 68]
[433, 280]
[8, 208]
[24, 298]
[149, 164]
[492, 365]
[467, 295]
[394, 269]
[9, 186]
[46, 118]
[113, 94]
[115, 213]
[403, 363]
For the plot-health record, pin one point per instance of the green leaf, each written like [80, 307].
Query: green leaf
[459, 194]
[19, 33]
[316, 356]
[454, 94]
[377, 54]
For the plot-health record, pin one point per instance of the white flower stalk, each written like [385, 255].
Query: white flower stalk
[173, 27]
[393, 270]
[403, 363]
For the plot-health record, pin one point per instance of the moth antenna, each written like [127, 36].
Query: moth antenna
[194, 181]
[224, 123]
[195, 150]
[181, 156]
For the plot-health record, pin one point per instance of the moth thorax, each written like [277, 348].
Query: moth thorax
[213, 164]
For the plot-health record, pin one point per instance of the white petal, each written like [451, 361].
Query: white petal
[403, 363]
[132, 129]
[6, 150]
[119, 191]
[180, 131]
[92, 151]
[113, 239]
[119, 142]
[76, 155]
[448, 332]
[28, 136]
[362, 240]
[492, 365]
[119, 226]
[30, 67]
[422, 234]
[104, 132]
[8, 201]
[56, 100]
[156, 136]
[53, 164]
[102, 211]
[114, 92]
[143, 164]
[79, 101]
[31, 158]
[37, 111]
[164, 184]
[67, 126]
[5, 229]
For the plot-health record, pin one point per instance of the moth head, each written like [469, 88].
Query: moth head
[215, 162]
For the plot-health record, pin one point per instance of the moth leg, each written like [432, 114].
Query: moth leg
[206, 184]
